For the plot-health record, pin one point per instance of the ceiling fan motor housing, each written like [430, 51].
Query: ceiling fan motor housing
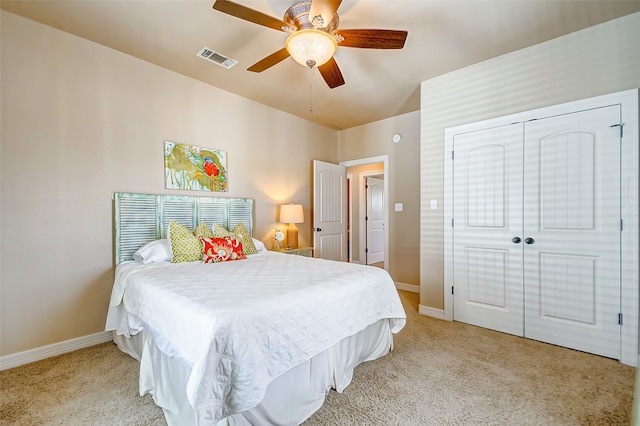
[298, 16]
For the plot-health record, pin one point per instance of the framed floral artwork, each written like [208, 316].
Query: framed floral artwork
[194, 168]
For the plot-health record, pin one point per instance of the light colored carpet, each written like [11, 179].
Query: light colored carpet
[440, 373]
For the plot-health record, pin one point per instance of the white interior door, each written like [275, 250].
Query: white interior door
[579, 206]
[375, 220]
[572, 230]
[536, 236]
[329, 211]
[487, 223]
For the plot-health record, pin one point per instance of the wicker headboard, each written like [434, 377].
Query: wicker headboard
[141, 218]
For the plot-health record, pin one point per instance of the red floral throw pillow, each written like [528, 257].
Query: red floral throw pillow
[221, 250]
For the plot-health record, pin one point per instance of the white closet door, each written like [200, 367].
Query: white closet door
[488, 287]
[572, 217]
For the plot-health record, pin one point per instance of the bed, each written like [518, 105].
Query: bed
[255, 341]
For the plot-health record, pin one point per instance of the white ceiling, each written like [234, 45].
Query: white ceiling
[443, 36]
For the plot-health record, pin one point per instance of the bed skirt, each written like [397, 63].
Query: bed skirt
[290, 398]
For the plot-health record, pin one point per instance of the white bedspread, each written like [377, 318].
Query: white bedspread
[240, 324]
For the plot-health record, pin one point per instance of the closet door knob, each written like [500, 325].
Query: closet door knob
[516, 240]
[529, 240]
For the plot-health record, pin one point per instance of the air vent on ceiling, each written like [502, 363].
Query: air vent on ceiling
[216, 58]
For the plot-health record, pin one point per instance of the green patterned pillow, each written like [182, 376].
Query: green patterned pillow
[241, 233]
[219, 231]
[185, 246]
[202, 230]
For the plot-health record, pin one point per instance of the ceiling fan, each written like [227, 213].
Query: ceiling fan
[314, 35]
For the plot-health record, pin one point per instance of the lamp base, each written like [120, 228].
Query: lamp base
[292, 236]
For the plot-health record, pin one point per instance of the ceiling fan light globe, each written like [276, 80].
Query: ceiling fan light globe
[311, 45]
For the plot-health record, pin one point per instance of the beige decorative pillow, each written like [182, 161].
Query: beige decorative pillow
[240, 232]
[185, 246]
[202, 230]
[219, 231]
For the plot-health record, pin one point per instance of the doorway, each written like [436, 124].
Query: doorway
[359, 170]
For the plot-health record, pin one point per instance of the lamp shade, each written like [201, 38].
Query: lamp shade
[311, 47]
[291, 213]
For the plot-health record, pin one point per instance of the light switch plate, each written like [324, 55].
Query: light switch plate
[398, 207]
[434, 204]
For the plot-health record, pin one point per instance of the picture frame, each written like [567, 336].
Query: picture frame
[194, 168]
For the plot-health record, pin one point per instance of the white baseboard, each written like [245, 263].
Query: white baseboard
[32, 355]
[408, 287]
[431, 312]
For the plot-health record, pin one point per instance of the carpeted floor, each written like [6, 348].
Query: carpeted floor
[440, 373]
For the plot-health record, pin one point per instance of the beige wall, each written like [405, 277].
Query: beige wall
[81, 121]
[403, 175]
[591, 62]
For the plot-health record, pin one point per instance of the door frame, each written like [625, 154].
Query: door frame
[384, 159]
[630, 246]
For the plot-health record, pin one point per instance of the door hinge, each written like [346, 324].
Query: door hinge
[620, 318]
[621, 128]
[451, 289]
[621, 225]
[366, 218]
[452, 222]
[452, 155]
[366, 250]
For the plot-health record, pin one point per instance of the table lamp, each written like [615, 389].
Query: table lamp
[291, 214]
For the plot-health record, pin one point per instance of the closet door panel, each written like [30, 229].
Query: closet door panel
[572, 230]
[487, 217]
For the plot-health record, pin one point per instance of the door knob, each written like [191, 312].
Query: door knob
[516, 240]
[529, 240]
[317, 229]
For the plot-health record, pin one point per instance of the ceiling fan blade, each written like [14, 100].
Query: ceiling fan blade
[269, 61]
[242, 12]
[331, 74]
[325, 8]
[373, 39]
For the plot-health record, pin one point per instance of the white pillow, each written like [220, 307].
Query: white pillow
[154, 252]
[260, 247]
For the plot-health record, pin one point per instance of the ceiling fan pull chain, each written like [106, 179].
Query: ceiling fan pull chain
[311, 91]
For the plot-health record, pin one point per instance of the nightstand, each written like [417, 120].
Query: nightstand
[300, 251]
